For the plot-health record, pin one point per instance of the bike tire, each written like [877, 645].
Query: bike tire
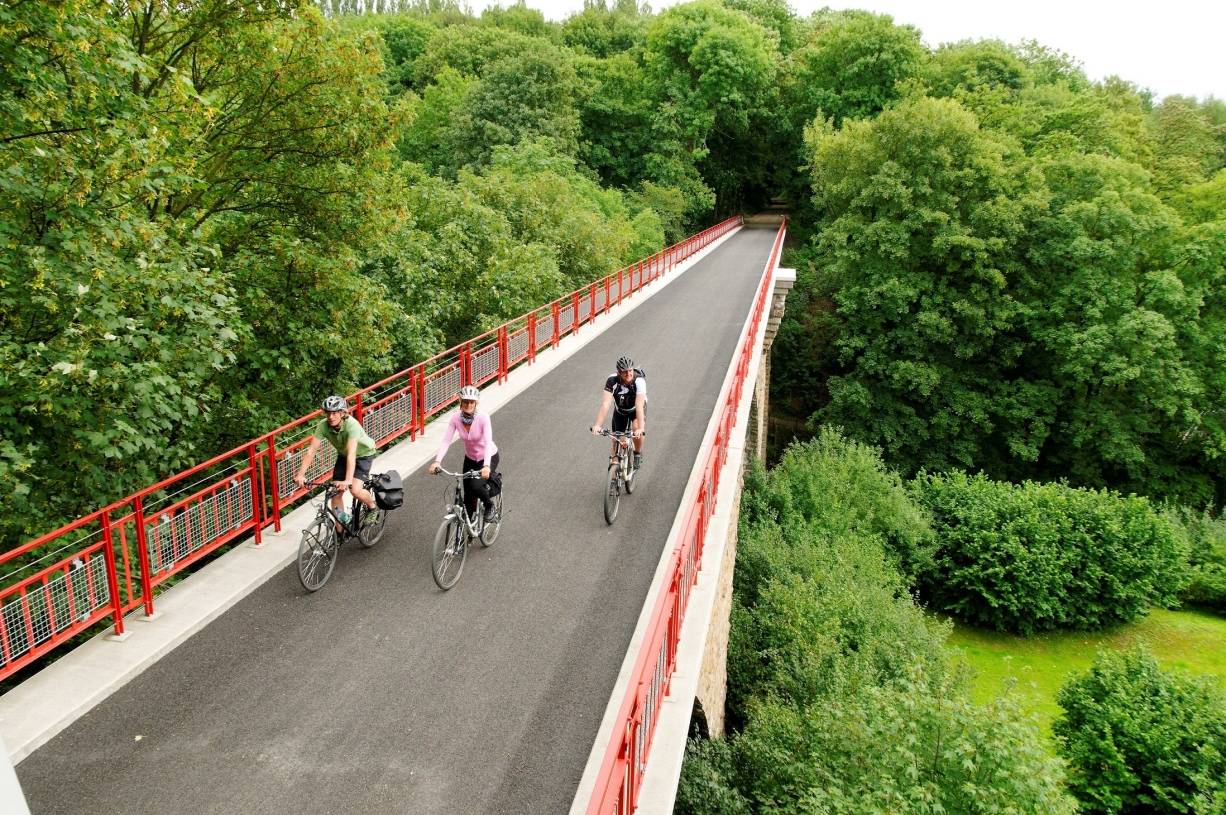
[374, 521]
[317, 552]
[450, 550]
[489, 532]
[628, 478]
[612, 495]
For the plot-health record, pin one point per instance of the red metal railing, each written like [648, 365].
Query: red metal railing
[107, 563]
[621, 770]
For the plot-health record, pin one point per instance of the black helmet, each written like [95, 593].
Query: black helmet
[335, 403]
[624, 364]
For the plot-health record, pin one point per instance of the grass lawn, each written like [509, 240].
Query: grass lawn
[1186, 640]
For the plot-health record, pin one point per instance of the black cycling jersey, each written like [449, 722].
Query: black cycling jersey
[624, 395]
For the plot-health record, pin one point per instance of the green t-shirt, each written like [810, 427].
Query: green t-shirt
[350, 428]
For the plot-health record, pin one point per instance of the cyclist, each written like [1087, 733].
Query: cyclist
[626, 392]
[355, 452]
[480, 452]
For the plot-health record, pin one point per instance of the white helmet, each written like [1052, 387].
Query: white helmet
[335, 403]
[469, 392]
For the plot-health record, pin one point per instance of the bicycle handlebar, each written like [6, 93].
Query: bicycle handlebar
[619, 434]
[466, 474]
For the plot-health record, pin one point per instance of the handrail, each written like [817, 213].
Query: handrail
[110, 559]
[620, 777]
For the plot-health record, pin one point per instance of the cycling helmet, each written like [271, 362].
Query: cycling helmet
[469, 392]
[334, 403]
[624, 364]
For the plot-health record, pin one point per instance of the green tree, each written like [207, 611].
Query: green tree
[923, 216]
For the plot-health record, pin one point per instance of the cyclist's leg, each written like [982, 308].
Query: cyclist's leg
[361, 471]
[621, 424]
[472, 489]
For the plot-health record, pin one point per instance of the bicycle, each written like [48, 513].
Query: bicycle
[458, 529]
[621, 474]
[322, 539]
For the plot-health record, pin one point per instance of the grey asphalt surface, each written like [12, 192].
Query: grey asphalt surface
[381, 694]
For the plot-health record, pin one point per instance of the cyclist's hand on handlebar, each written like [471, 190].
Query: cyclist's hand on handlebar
[595, 430]
[433, 468]
[340, 486]
[300, 481]
[485, 473]
[638, 434]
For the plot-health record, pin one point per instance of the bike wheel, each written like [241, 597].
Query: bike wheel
[450, 549]
[373, 523]
[612, 495]
[489, 532]
[317, 553]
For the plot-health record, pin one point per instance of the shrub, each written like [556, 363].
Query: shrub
[1206, 540]
[919, 746]
[706, 786]
[1034, 557]
[1140, 740]
[836, 486]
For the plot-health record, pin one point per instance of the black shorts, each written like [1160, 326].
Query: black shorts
[361, 468]
[622, 421]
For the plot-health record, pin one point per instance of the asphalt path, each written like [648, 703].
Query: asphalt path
[381, 694]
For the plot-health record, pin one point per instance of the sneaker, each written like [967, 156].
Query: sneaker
[491, 514]
[638, 460]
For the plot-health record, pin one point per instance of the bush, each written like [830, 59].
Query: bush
[1035, 557]
[706, 786]
[833, 486]
[1140, 740]
[919, 746]
[1205, 586]
[840, 621]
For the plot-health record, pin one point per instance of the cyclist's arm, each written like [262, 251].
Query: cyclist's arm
[640, 412]
[605, 401]
[448, 438]
[308, 457]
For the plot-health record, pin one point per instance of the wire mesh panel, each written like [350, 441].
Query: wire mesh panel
[39, 613]
[601, 299]
[565, 318]
[441, 388]
[198, 524]
[287, 467]
[517, 346]
[485, 364]
[544, 330]
[585, 308]
[389, 417]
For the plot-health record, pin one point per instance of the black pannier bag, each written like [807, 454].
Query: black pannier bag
[495, 484]
[389, 490]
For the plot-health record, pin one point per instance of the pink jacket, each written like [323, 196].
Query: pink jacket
[478, 438]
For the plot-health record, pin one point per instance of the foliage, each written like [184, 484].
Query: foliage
[923, 220]
[917, 746]
[1139, 739]
[1205, 536]
[833, 487]
[1036, 557]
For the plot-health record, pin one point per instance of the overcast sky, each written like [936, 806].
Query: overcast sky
[1169, 46]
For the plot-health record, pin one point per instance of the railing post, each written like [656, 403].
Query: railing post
[276, 482]
[620, 286]
[557, 311]
[607, 284]
[112, 573]
[574, 320]
[257, 497]
[591, 312]
[504, 354]
[532, 337]
[142, 554]
[466, 364]
[357, 408]
[419, 404]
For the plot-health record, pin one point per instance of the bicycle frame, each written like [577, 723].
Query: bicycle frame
[458, 506]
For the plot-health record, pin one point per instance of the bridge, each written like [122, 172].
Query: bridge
[558, 675]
